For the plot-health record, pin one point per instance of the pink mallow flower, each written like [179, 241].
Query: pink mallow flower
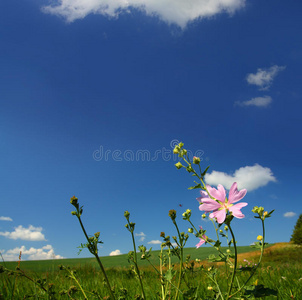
[202, 241]
[222, 205]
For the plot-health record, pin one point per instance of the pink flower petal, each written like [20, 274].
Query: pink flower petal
[202, 241]
[235, 210]
[235, 195]
[219, 215]
[218, 194]
[204, 195]
[209, 205]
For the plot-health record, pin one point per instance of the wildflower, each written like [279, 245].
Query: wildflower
[222, 205]
[210, 288]
[202, 240]
[259, 237]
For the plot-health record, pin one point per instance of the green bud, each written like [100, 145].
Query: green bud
[172, 214]
[204, 216]
[74, 213]
[178, 165]
[226, 228]
[255, 209]
[74, 200]
[190, 230]
[196, 160]
[176, 150]
[126, 214]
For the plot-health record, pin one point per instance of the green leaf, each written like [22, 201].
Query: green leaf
[169, 275]
[260, 291]
[205, 171]
[198, 186]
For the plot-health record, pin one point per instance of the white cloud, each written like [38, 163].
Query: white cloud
[5, 219]
[155, 242]
[249, 177]
[258, 101]
[27, 234]
[264, 77]
[46, 252]
[289, 214]
[142, 235]
[115, 252]
[177, 12]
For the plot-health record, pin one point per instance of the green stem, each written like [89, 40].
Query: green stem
[75, 279]
[260, 258]
[94, 252]
[181, 259]
[235, 263]
[136, 265]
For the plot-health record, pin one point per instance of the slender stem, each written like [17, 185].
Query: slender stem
[260, 258]
[75, 279]
[94, 252]
[181, 259]
[235, 262]
[161, 274]
[136, 265]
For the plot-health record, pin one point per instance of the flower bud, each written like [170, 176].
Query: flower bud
[126, 214]
[74, 200]
[210, 288]
[74, 213]
[176, 150]
[172, 214]
[204, 216]
[178, 165]
[196, 160]
[190, 230]
[226, 228]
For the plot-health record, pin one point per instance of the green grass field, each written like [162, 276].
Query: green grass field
[119, 261]
[281, 270]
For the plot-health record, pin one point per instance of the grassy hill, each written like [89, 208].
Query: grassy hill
[119, 261]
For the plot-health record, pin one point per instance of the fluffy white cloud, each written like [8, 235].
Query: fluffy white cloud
[46, 252]
[155, 242]
[27, 234]
[5, 219]
[249, 177]
[142, 236]
[263, 78]
[115, 252]
[258, 101]
[177, 12]
[289, 214]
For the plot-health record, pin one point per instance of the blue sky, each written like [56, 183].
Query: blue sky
[86, 91]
